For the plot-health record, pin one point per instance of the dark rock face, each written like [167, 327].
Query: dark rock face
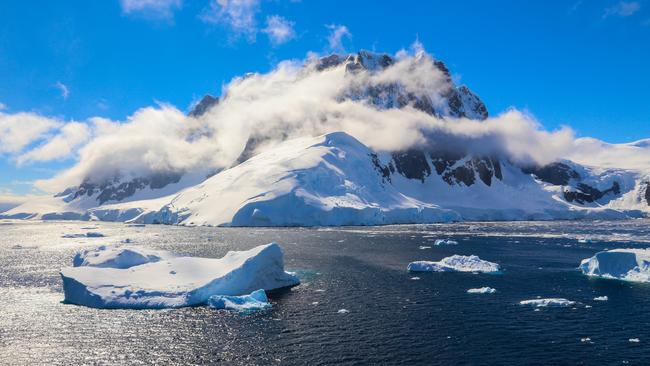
[384, 171]
[412, 164]
[558, 174]
[461, 102]
[586, 193]
[116, 191]
[204, 105]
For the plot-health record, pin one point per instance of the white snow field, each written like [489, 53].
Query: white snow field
[481, 290]
[550, 302]
[171, 282]
[255, 301]
[455, 263]
[621, 264]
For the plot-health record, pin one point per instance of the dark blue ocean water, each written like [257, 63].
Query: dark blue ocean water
[392, 319]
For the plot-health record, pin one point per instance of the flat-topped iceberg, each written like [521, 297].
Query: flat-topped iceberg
[550, 302]
[255, 301]
[118, 257]
[455, 263]
[171, 282]
[621, 264]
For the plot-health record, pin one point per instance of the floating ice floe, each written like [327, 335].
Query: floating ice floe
[90, 234]
[634, 340]
[550, 302]
[481, 290]
[343, 311]
[424, 247]
[455, 263]
[168, 282]
[621, 264]
[601, 298]
[585, 240]
[255, 301]
[440, 242]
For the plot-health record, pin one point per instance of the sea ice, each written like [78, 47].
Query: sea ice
[255, 301]
[601, 298]
[177, 281]
[551, 302]
[455, 263]
[622, 264]
[440, 242]
[481, 290]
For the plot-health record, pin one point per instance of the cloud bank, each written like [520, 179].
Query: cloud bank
[293, 100]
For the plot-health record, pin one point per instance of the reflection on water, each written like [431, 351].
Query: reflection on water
[392, 319]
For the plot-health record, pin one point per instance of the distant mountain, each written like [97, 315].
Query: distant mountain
[336, 180]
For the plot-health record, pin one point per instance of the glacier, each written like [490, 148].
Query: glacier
[622, 264]
[170, 282]
[455, 263]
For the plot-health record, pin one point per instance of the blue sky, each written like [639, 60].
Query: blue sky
[580, 63]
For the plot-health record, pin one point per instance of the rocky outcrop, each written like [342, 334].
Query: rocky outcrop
[647, 192]
[116, 191]
[558, 174]
[204, 105]
[585, 193]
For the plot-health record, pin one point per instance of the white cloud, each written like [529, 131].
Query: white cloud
[19, 130]
[2, 106]
[237, 15]
[279, 29]
[337, 34]
[623, 9]
[62, 145]
[65, 92]
[157, 9]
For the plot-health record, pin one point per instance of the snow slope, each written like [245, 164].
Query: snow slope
[176, 281]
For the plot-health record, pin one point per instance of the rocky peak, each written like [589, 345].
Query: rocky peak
[207, 102]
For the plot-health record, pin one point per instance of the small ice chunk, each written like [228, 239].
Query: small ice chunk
[415, 278]
[584, 240]
[586, 340]
[601, 298]
[440, 242]
[455, 263]
[481, 290]
[550, 302]
[90, 234]
[621, 264]
[255, 301]
[424, 247]
[634, 340]
[343, 311]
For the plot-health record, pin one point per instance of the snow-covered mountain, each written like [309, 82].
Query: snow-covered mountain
[334, 179]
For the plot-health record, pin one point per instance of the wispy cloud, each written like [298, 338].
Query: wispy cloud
[65, 92]
[279, 29]
[239, 16]
[155, 9]
[19, 130]
[336, 36]
[2, 106]
[622, 9]
[62, 145]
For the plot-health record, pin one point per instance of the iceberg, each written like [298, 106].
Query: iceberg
[621, 264]
[440, 242]
[455, 263]
[481, 290]
[255, 301]
[550, 302]
[171, 282]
